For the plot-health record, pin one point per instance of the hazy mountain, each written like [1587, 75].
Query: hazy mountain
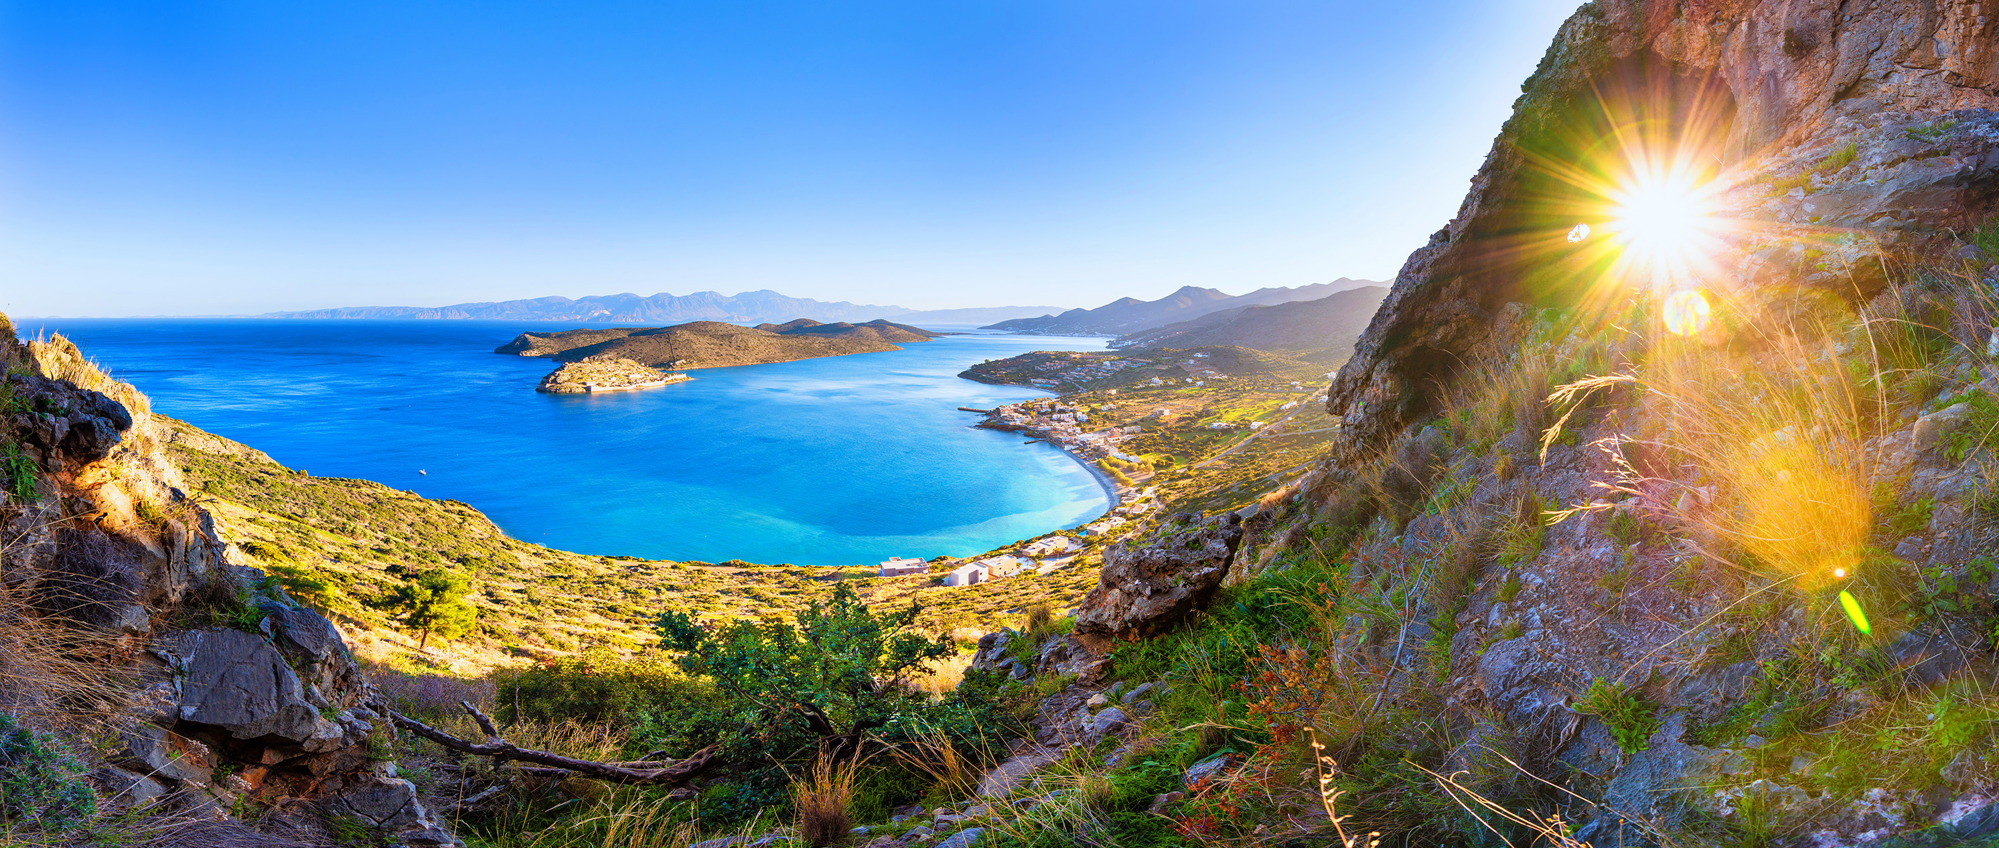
[745, 308]
[1131, 315]
[1322, 330]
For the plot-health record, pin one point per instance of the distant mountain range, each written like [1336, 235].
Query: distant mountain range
[745, 308]
[1321, 331]
[1131, 315]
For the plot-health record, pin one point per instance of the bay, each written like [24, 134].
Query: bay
[840, 460]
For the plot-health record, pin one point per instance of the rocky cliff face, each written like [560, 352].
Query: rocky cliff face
[1747, 86]
[127, 618]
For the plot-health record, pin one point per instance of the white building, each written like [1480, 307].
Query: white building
[1050, 545]
[1003, 566]
[966, 575]
[900, 566]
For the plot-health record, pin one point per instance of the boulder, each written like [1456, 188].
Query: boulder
[238, 683]
[1145, 589]
[390, 805]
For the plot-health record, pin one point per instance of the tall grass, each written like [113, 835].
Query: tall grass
[58, 358]
[822, 800]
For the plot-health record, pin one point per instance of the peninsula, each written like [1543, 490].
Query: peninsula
[714, 344]
[605, 374]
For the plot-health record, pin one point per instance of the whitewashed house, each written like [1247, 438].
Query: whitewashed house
[900, 566]
[1003, 566]
[966, 575]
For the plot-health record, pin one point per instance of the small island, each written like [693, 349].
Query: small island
[605, 374]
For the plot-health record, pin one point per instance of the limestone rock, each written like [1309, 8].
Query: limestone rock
[1145, 589]
[391, 805]
[1200, 773]
[1782, 86]
[123, 790]
[239, 684]
[159, 752]
[964, 839]
[65, 425]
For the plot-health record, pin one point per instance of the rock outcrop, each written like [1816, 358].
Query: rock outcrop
[217, 688]
[1762, 89]
[1145, 588]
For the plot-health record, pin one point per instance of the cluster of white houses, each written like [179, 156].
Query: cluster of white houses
[989, 568]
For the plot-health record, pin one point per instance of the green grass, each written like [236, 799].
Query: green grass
[17, 473]
[1631, 719]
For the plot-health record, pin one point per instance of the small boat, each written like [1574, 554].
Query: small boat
[423, 472]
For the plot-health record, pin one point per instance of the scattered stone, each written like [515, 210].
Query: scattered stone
[1097, 701]
[964, 839]
[1160, 803]
[1136, 693]
[1200, 773]
[1104, 723]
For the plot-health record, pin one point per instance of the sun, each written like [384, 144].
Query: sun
[1663, 222]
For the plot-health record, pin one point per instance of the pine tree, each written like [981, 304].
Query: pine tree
[433, 602]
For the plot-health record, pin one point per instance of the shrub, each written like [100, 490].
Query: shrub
[41, 787]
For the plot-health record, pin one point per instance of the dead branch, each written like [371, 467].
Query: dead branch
[647, 772]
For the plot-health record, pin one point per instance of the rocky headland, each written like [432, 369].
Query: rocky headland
[605, 374]
[714, 344]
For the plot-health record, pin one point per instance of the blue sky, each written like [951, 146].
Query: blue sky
[226, 158]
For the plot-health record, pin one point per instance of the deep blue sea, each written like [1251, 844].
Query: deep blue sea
[842, 460]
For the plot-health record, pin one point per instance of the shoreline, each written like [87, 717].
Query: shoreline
[1117, 492]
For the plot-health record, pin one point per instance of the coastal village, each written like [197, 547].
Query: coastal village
[1146, 420]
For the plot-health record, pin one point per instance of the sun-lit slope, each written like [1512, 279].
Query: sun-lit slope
[343, 544]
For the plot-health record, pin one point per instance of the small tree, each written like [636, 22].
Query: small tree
[841, 670]
[433, 602]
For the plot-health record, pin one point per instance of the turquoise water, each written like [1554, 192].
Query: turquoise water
[849, 459]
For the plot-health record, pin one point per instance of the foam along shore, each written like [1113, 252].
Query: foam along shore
[606, 375]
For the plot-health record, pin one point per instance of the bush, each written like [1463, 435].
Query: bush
[41, 787]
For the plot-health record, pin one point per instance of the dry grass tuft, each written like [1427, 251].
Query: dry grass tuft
[955, 774]
[58, 358]
[823, 801]
[53, 675]
[942, 677]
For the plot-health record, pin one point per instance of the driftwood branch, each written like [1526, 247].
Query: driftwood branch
[648, 772]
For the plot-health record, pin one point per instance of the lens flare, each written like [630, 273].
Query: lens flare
[1578, 233]
[1687, 312]
[1661, 218]
[1854, 613]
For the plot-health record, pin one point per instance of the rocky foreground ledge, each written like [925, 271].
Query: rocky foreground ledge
[605, 375]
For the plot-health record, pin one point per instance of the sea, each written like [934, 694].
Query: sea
[834, 461]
